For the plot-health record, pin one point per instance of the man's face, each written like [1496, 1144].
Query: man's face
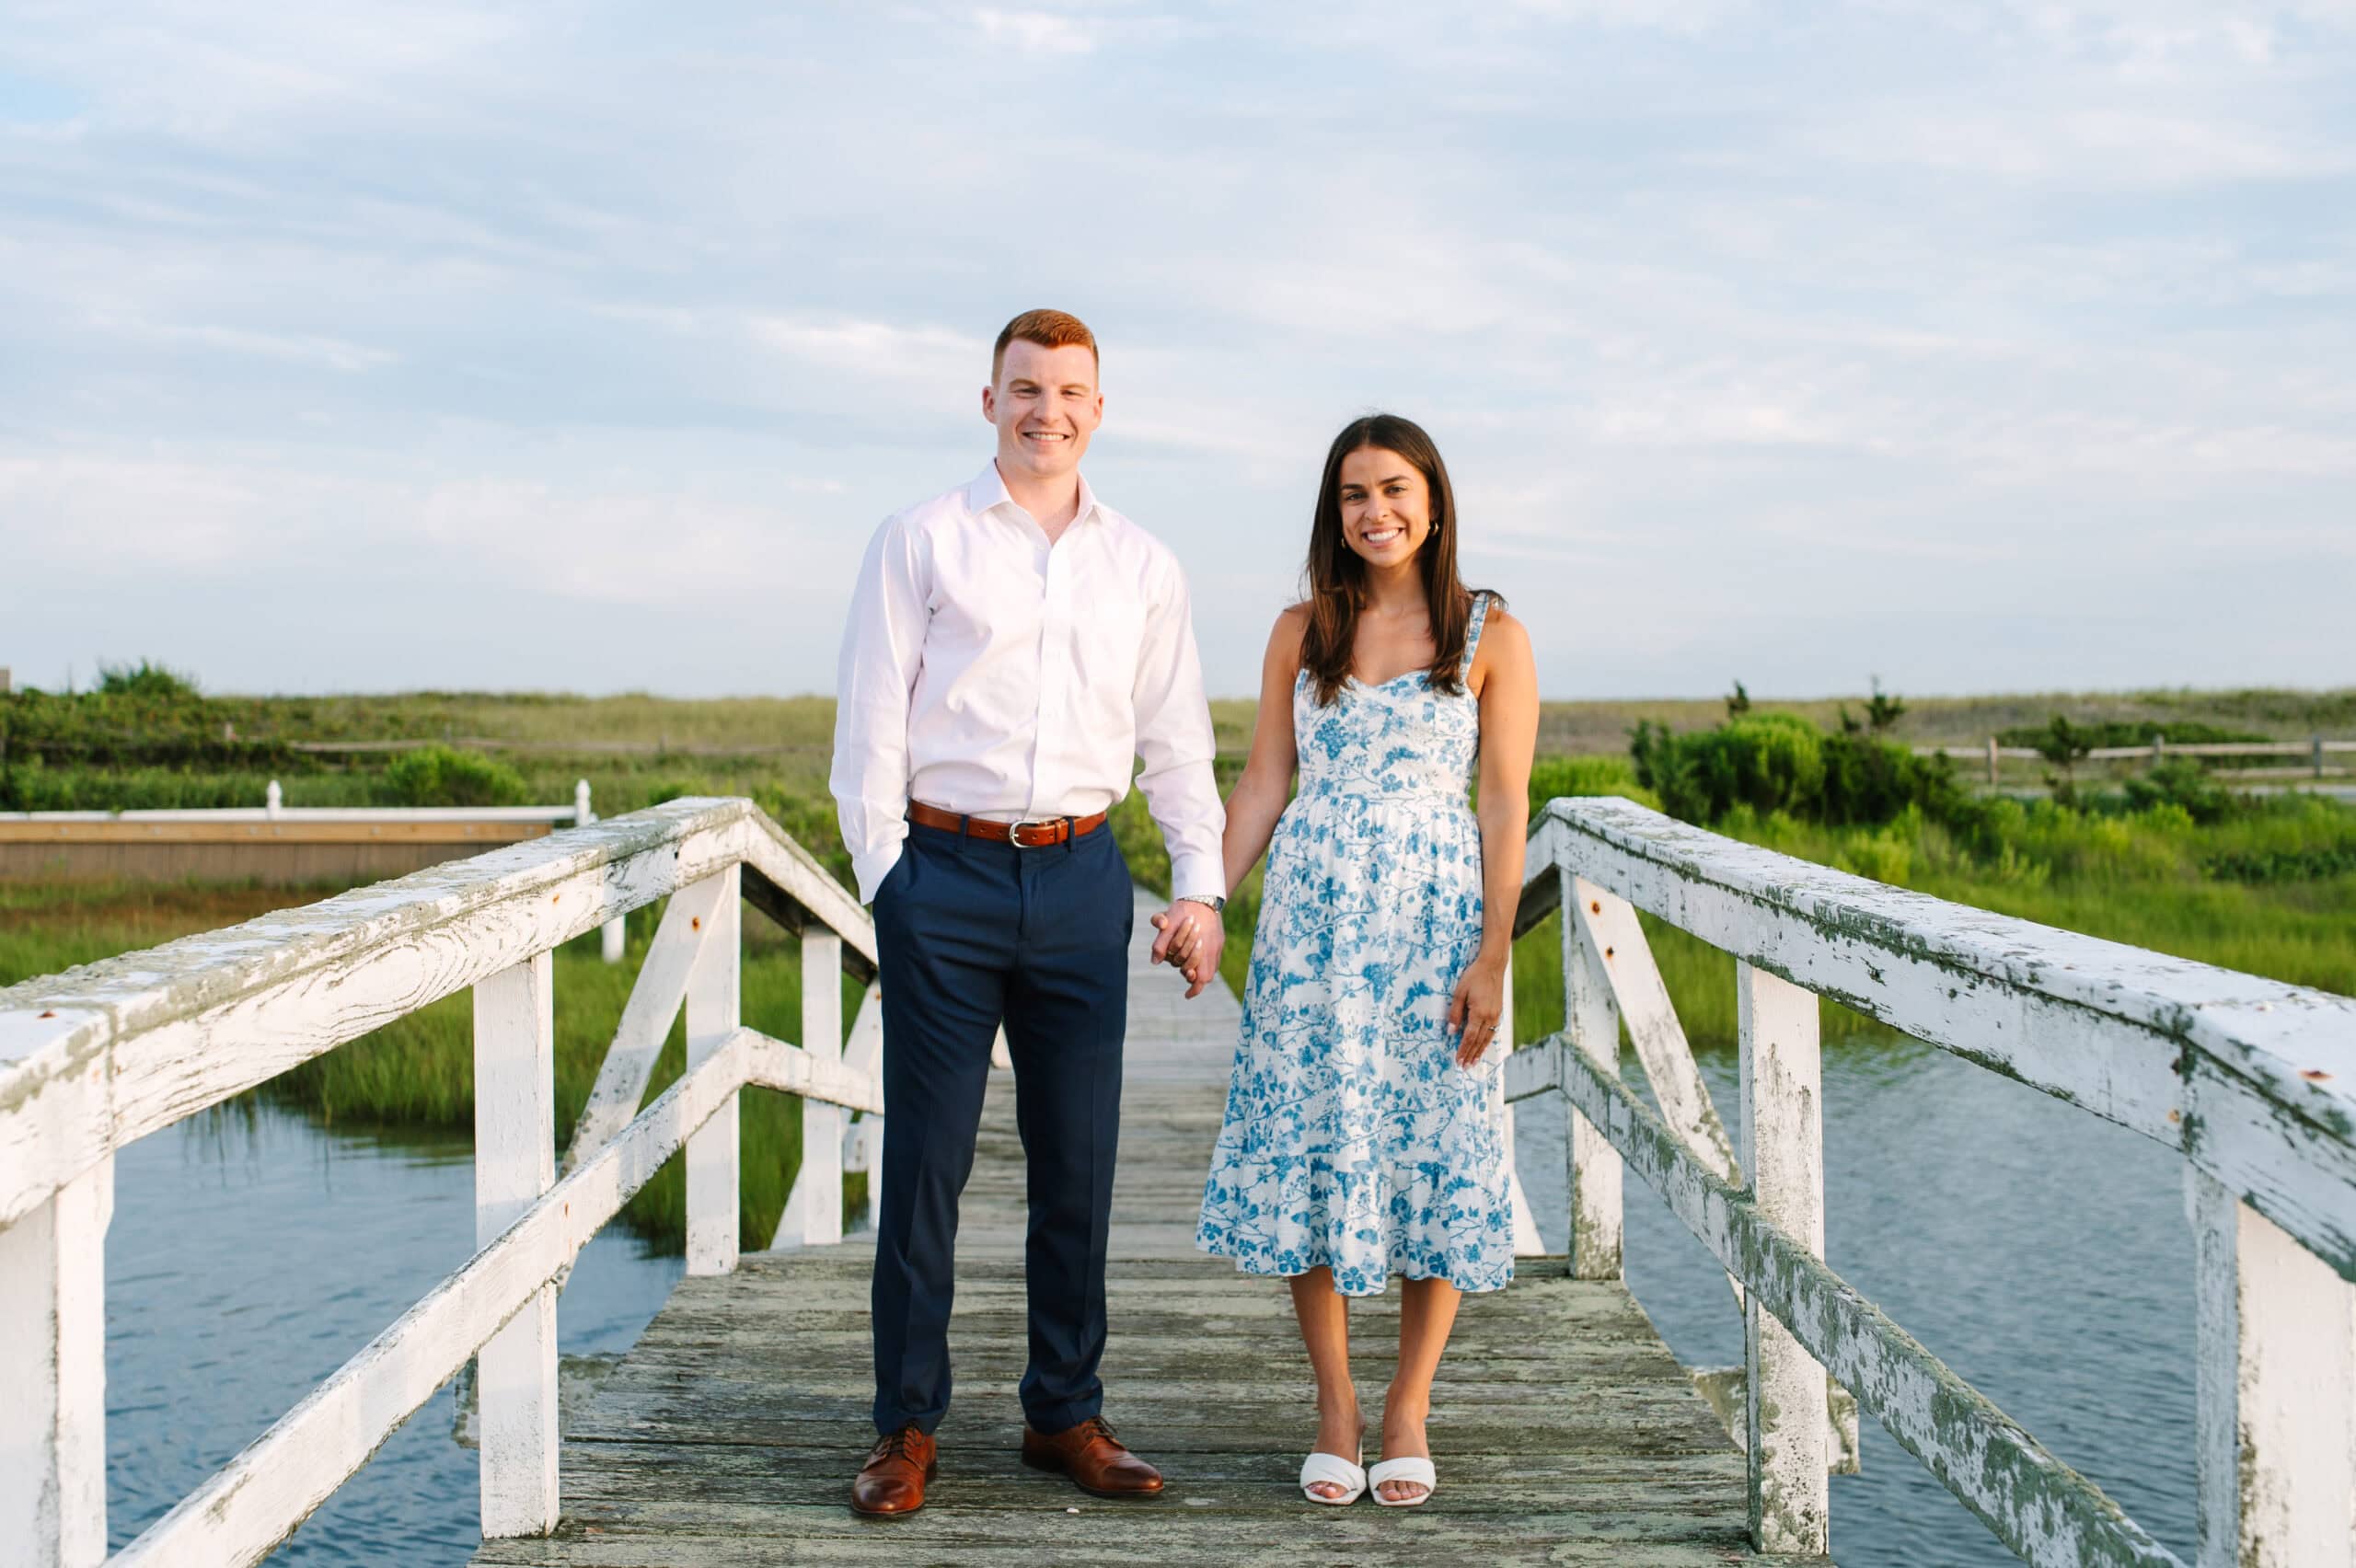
[1045, 405]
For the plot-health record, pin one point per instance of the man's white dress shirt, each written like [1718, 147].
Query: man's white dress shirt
[988, 672]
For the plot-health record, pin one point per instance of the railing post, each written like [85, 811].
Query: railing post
[53, 1377]
[610, 934]
[2316, 745]
[713, 1015]
[2276, 1430]
[1591, 1017]
[515, 1164]
[1526, 1242]
[814, 1214]
[1783, 1151]
[1992, 760]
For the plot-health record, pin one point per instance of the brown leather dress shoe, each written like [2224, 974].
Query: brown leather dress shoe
[1094, 1457]
[892, 1481]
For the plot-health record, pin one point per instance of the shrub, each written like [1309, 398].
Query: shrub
[146, 678]
[440, 775]
[1552, 775]
[2185, 784]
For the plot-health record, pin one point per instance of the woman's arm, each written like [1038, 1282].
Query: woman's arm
[1259, 794]
[1507, 675]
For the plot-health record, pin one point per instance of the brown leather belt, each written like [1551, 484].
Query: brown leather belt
[1033, 833]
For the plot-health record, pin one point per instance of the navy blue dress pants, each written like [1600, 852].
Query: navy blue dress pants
[970, 933]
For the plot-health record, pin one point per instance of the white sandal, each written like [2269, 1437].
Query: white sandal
[1333, 1471]
[1414, 1471]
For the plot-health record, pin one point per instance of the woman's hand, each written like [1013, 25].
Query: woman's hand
[1473, 1011]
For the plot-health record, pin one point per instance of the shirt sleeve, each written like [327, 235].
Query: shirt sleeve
[1174, 741]
[883, 651]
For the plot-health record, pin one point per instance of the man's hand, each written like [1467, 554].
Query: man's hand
[1189, 938]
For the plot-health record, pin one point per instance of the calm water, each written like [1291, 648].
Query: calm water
[249, 1256]
[2042, 1253]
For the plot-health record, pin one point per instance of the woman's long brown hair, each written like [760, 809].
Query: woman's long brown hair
[1336, 577]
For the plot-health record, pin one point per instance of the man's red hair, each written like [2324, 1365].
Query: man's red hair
[1048, 329]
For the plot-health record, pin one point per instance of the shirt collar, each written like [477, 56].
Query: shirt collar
[988, 489]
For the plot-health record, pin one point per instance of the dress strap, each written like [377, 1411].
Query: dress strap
[1481, 603]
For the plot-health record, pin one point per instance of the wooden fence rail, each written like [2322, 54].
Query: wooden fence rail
[96, 1058]
[2254, 1083]
[2315, 749]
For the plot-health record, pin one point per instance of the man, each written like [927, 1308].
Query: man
[1014, 645]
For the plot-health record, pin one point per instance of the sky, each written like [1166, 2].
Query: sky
[1972, 346]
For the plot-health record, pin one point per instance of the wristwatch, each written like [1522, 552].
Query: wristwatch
[1212, 901]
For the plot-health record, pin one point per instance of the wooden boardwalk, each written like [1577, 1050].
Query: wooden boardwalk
[1563, 1429]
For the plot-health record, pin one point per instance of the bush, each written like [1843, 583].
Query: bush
[1552, 775]
[1775, 762]
[440, 775]
[2183, 783]
[146, 678]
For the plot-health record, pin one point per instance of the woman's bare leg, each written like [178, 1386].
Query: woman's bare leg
[1427, 1313]
[1325, 1329]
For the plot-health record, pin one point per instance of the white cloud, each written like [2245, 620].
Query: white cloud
[1040, 32]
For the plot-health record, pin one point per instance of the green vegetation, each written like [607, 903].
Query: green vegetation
[2129, 733]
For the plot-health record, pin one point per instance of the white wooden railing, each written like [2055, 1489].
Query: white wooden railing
[94, 1058]
[2253, 1081]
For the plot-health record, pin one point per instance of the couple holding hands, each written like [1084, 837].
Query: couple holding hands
[1014, 648]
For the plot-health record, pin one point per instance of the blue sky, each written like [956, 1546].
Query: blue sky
[1975, 346]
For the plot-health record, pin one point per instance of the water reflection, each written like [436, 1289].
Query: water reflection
[2038, 1251]
[251, 1255]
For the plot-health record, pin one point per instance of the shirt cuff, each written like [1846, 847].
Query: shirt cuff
[873, 868]
[1197, 874]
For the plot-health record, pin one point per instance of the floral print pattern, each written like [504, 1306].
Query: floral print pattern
[1352, 1138]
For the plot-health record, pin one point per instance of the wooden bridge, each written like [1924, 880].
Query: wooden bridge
[1564, 1430]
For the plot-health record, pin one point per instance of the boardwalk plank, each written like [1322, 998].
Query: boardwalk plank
[1564, 1430]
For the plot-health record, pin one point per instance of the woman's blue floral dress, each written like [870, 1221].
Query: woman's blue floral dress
[1352, 1138]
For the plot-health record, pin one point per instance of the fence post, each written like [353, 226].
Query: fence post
[53, 1377]
[713, 999]
[2275, 1437]
[609, 935]
[813, 1210]
[2317, 744]
[2159, 747]
[515, 1164]
[1992, 759]
[1783, 1151]
[1591, 1017]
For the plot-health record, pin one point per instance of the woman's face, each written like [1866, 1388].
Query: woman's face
[1386, 507]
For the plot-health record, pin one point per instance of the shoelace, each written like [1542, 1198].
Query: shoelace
[895, 1446]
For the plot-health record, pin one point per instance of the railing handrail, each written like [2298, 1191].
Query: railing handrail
[2252, 1079]
[100, 1055]
[2249, 1078]
[564, 814]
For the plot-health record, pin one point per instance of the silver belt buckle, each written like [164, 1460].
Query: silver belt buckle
[1014, 831]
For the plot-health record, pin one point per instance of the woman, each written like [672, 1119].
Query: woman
[1364, 1133]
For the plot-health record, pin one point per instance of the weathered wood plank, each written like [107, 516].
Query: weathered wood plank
[54, 1378]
